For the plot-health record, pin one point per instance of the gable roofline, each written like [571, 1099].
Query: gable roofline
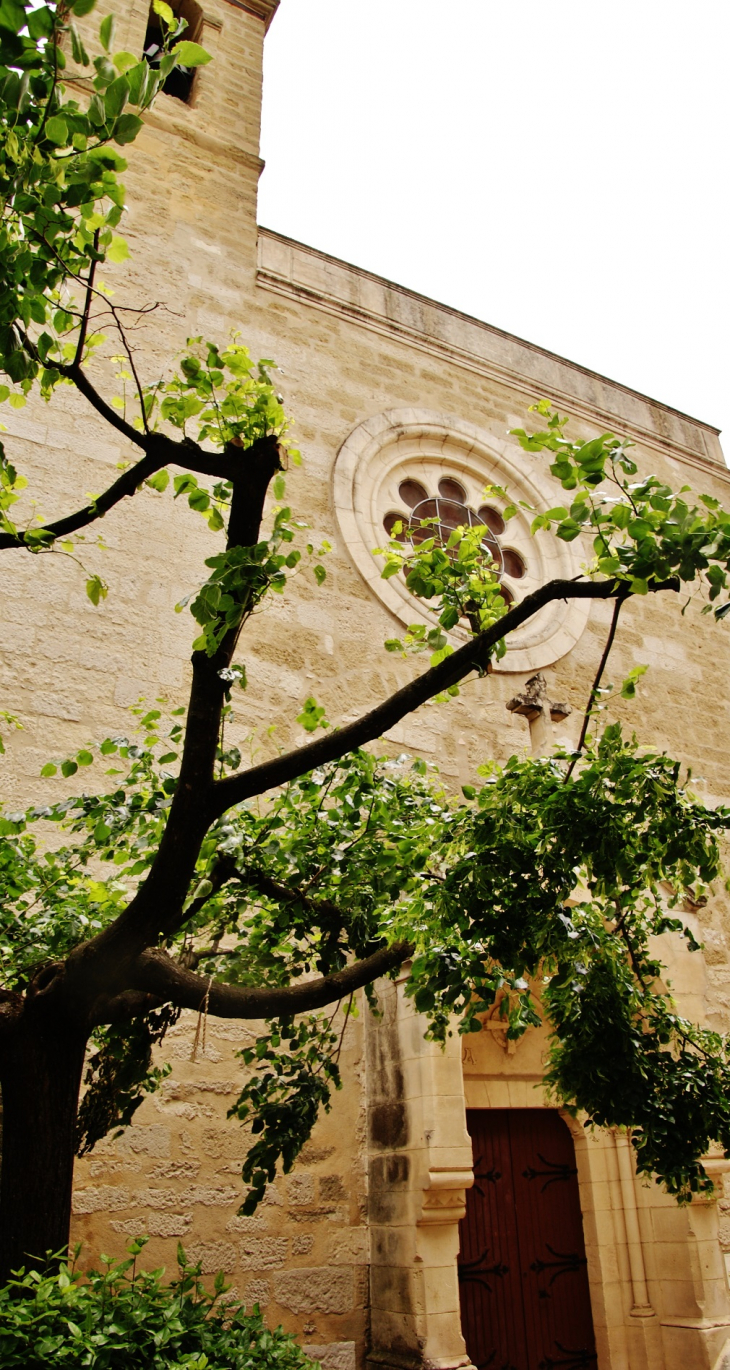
[296, 270]
[429, 302]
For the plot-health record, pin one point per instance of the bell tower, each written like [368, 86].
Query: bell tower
[196, 164]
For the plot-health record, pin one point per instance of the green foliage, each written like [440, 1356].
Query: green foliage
[121, 1319]
[312, 716]
[642, 531]
[542, 896]
[283, 1098]
[241, 577]
[225, 396]
[119, 1074]
[551, 907]
[357, 837]
[59, 177]
[460, 576]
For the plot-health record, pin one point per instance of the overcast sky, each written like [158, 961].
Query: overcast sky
[557, 169]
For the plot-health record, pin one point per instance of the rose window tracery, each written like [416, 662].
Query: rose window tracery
[446, 510]
[407, 465]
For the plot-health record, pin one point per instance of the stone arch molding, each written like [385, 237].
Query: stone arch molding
[418, 444]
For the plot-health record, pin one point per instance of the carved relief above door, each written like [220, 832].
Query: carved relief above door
[525, 1301]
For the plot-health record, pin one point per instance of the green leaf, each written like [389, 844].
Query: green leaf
[126, 128]
[68, 768]
[12, 16]
[190, 54]
[96, 589]
[164, 11]
[57, 130]
[115, 98]
[82, 7]
[117, 250]
[126, 62]
[159, 481]
[312, 716]
[49, 769]
[106, 32]
[78, 51]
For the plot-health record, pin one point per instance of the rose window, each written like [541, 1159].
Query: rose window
[408, 465]
[449, 508]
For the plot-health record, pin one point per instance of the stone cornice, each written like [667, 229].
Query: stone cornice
[336, 287]
[262, 9]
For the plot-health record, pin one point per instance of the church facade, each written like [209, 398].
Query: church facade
[421, 1218]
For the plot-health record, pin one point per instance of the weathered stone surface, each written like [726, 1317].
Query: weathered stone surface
[338, 1355]
[300, 1189]
[151, 1140]
[213, 1256]
[258, 1291]
[263, 1253]
[102, 1199]
[320, 1290]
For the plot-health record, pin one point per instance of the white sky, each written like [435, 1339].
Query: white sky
[557, 169]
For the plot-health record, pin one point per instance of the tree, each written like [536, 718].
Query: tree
[349, 864]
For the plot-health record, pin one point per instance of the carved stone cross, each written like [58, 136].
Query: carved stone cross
[540, 713]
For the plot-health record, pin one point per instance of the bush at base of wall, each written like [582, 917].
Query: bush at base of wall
[123, 1319]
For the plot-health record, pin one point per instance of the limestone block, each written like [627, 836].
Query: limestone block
[213, 1256]
[320, 1290]
[258, 1291]
[300, 1189]
[339, 1355]
[168, 1224]
[102, 1199]
[350, 1247]
[152, 1140]
[263, 1253]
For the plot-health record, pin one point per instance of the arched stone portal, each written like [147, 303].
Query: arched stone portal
[658, 1288]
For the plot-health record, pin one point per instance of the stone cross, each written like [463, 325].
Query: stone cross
[540, 713]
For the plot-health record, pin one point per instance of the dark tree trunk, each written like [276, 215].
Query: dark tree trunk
[40, 1072]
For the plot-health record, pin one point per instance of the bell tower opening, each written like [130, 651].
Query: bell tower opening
[180, 82]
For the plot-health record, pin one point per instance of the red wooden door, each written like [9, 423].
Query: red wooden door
[525, 1302]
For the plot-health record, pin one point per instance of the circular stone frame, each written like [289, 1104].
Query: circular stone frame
[401, 443]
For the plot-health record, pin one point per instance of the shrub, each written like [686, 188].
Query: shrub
[121, 1319]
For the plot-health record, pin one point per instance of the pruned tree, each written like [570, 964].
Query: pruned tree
[540, 891]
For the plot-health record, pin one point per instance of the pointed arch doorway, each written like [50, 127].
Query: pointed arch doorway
[523, 1281]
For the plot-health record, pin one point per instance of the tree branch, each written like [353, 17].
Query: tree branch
[283, 894]
[473, 656]
[72, 372]
[595, 686]
[83, 329]
[161, 451]
[123, 1008]
[156, 911]
[155, 973]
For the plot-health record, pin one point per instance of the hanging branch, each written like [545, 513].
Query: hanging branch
[596, 683]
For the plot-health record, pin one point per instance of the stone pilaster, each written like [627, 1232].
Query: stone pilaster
[420, 1167]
